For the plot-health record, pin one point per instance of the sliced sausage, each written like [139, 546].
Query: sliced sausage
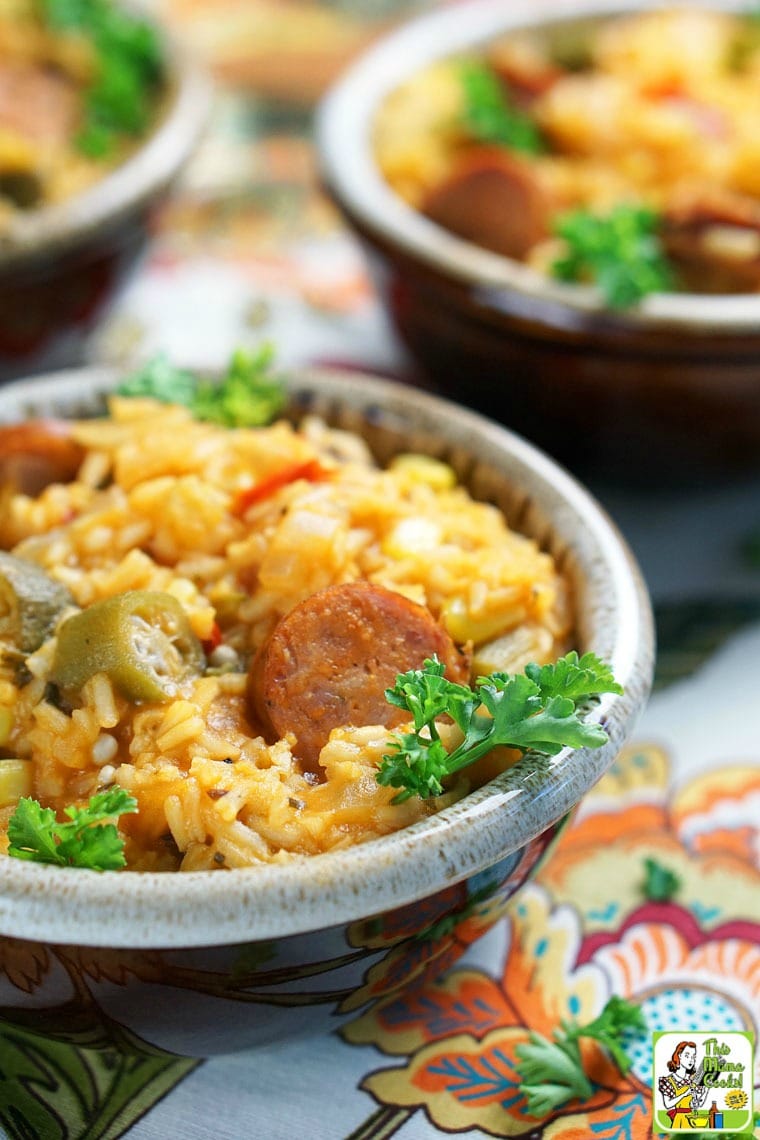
[37, 453]
[330, 660]
[493, 199]
[525, 71]
[714, 240]
[37, 102]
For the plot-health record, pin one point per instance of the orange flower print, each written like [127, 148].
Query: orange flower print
[115, 966]
[24, 964]
[459, 1036]
[582, 932]
[454, 920]
[465, 1083]
[466, 1000]
[720, 814]
[707, 833]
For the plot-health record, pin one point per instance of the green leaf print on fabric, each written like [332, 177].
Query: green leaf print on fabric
[93, 1086]
[688, 633]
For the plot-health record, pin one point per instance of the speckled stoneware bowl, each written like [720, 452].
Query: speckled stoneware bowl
[61, 266]
[208, 962]
[670, 391]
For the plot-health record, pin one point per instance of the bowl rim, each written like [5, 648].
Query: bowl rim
[159, 910]
[156, 160]
[343, 125]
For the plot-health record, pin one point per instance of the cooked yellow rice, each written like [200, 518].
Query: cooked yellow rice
[156, 506]
[662, 115]
[45, 77]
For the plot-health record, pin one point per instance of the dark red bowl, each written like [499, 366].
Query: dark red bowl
[669, 391]
[62, 266]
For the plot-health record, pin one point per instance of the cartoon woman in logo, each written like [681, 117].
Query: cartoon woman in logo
[682, 1091]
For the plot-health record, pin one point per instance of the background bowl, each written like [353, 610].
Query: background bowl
[62, 265]
[277, 950]
[669, 391]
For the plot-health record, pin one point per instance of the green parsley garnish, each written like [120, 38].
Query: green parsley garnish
[750, 550]
[728, 1135]
[552, 1072]
[747, 41]
[247, 395]
[84, 841]
[534, 711]
[490, 117]
[128, 68]
[620, 252]
[751, 1135]
[660, 883]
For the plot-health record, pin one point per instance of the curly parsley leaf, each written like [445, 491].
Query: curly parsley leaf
[247, 395]
[573, 677]
[127, 69]
[551, 1074]
[551, 1071]
[161, 380]
[618, 1019]
[660, 883]
[620, 252]
[490, 117]
[85, 840]
[534, 711]
[749, 550]
[427, 694]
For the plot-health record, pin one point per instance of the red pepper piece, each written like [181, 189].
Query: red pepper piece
[213, 640]
[312, 470]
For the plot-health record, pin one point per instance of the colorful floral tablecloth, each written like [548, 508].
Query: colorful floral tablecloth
[251, 251]
[686, 792]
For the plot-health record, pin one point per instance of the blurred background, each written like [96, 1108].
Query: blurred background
[249, 247]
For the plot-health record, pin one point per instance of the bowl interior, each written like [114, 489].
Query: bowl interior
[182, 114]
[613, 619]
[344, 137]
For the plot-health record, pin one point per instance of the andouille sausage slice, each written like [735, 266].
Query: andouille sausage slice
[493, 199]
[36, 453]
[36, 102]
[525, 70]
[329, 661]
[714, 239]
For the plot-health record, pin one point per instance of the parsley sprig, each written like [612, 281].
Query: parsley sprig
[749, 549]
[551, 1071]
[533, 711]
[660, 883]
[751, 1134]
[128, 67]
[247, 395]
[84, 840]
[620, 252]
[490, 117]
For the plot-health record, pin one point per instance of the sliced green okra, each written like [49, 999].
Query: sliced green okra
[141, 639]
[30, 604]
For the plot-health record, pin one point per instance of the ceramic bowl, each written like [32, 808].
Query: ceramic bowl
[205, 962]
[670, 391]
[61, 266]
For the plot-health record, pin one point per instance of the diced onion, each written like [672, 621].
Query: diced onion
[15, 781]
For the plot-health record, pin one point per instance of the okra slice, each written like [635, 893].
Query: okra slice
[30, 603]
[141, 639]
